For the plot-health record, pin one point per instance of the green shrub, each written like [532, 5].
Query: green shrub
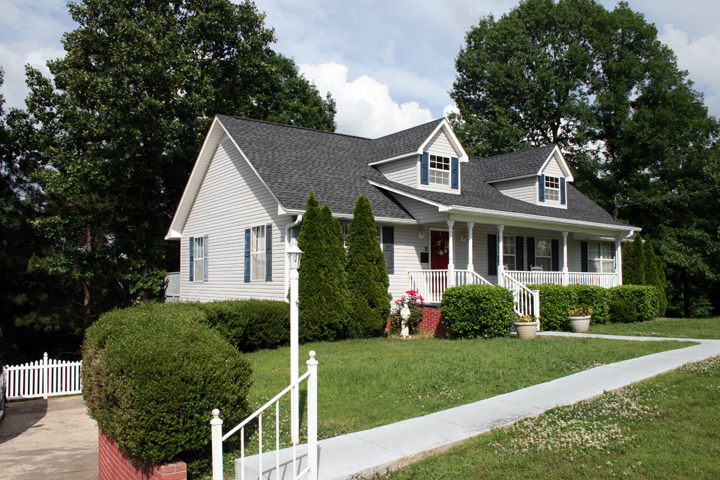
[152, 375]
[597, 298]
[644, 298]
[249, 325]
[478, 310]
[555, 303]
[622, 312]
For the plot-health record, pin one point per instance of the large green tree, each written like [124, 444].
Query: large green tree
[367, 277]
[600, 85]
[117, 129]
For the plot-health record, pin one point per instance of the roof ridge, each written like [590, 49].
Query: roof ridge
[409, 128]
[472, 157]
[235, 117]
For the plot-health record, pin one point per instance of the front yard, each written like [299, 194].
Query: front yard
[367, 383]
[701, 328]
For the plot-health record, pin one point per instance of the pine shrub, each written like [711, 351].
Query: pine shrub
[152, 376]
[473, 311]
[655, 274]
[633, 261]
[367, 278]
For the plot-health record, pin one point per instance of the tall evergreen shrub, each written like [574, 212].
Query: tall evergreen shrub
[323, 291]
[633, 263]
[367, 278]
[655, 274]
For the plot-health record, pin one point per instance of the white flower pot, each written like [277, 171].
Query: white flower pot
[580, 324]
[526, 330]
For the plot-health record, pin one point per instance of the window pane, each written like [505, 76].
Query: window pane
[544, 262]
[257, 253]
[543, 247]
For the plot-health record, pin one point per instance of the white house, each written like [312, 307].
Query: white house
[443, 217]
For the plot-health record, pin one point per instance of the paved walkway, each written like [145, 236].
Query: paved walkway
[392, 446]
[52, 438]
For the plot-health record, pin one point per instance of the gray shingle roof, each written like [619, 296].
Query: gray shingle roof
[516, 164]
[293, 161]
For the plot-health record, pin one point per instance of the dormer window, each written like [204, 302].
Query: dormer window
[552, 189]
[439, 173]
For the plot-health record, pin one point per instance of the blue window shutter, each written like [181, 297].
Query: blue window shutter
[542, 188]
[388, 237]
[531, 252]
[205, 258]
[519, 253]
[492, 254]
[584, 257]
[562, 190]
[247, 255]
[555, 252]
[268, 252]
[455, 173]
[190, 256]
[425, 169]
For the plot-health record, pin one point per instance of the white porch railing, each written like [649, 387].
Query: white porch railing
[310, 470]
[605, 280]
[431, 284]
[526, 301]
[172, 287]
[43, 378]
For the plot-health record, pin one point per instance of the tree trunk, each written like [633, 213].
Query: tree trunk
[686, 294]
[86, 283]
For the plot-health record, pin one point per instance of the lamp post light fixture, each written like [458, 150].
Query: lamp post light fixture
[294, 253]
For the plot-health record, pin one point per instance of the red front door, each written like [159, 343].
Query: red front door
[438, 250]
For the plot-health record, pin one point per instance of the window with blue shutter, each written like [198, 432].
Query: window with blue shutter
[492, 254]
[519, 253]
[541, 187]
[455, 173]
[191, 263]
[388, 238]
[562, 191]
[247, 255]
[584, 257]
[205, 258]
[531, 252]
[268, 252]
[555, 255]
[425, 169]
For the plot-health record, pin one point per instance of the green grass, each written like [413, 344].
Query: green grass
[701, 328]
[367, 383]
[662, 428]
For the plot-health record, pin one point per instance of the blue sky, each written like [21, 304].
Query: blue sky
[389, 64]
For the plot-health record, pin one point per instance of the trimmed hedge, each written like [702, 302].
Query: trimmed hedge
[598, 298]
[152, 375]
[249, 325]
[622, 312]
[472, 311]
[555, 303]
[645, 298]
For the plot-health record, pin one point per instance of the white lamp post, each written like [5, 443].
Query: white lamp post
[294, 254]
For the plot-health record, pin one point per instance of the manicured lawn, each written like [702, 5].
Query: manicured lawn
[665, 427]
[368, 383]
[702, 328]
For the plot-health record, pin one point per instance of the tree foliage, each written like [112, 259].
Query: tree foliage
[633, 263]
[323, 291]
[113, 136]
[600, 85]
[367, 277]
[655, 274]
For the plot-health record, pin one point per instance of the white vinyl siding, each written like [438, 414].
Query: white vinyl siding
[403, 171]
[232, 199]
[521, 188]
[440, 145]
[553, 168]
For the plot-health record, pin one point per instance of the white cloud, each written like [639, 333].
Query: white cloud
[451, 108]
[700, 56]
[13, 58]
[364, 106]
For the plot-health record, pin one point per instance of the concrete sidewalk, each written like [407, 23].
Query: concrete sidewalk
[376, 450]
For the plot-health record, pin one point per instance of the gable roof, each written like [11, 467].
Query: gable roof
[523, 163]
[291, 161]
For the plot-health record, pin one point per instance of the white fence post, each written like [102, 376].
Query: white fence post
[536, 306]
[217, 455]
[312, 416]
[45, 376]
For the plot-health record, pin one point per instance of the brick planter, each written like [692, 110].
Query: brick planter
[116, 466]
[431, 322]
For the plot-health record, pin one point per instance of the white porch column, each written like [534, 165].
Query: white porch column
[501, 266]
[470, 266]
[618, 260]
[451, 254]
[565, 276]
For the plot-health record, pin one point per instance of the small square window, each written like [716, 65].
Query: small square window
[552, 189]
[439, 172]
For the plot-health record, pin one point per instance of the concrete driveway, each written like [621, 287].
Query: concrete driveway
[52, 438]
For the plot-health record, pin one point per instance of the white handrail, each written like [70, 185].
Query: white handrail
[606, 280]
[526, 301]
[431, 284]
[218, 437]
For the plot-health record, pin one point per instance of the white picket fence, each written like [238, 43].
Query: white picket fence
[43, 378]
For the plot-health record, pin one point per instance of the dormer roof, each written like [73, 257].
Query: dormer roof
[524, 163]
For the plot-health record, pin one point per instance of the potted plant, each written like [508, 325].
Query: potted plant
[526, 327]
[580, 318]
